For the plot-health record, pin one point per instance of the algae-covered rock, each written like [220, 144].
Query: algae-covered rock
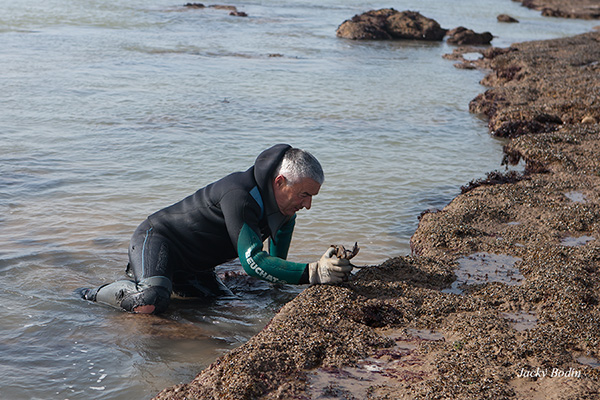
[389, 24]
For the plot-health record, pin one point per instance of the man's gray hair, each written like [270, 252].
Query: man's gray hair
[297, 164]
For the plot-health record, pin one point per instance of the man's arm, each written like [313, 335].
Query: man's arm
[283, 238]
[259, 263]
[244, 211]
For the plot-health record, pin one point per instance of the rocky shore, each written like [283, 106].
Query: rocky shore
[584, 9]
[501, 297]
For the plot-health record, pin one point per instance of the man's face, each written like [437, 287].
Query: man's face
[294, 197]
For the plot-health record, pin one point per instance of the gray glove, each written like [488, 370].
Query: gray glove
[329, 269]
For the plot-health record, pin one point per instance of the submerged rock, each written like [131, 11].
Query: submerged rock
[223, 7]
[389, 24]
[464, 36]
[506, 18]
[232, 9]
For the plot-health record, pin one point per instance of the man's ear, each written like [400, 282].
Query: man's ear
[280, 180]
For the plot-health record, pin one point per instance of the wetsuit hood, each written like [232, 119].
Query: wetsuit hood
[265, 164]
[264, 169]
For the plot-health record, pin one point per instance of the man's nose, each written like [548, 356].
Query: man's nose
[307, 203]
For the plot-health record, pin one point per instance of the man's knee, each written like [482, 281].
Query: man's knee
[149, 300]
[152, 297]
[149, 296]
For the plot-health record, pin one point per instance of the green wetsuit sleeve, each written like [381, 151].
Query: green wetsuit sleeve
[257, 262]
[283, 238]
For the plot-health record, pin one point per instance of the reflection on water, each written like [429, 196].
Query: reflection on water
[114, 109]
[521, 320]
[576, 196]
[481, 268]
[572, 241]
[589, 361]
[392, 369]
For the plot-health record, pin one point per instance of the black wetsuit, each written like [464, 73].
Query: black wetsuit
[177, 248]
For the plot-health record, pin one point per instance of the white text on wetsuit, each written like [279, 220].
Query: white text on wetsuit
[258, 270]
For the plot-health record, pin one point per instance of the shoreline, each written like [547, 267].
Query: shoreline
[404, 329]
[582, 9]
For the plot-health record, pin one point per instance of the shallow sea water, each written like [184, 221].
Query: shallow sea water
[113, 109]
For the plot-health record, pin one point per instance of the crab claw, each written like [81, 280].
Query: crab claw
[355, 250]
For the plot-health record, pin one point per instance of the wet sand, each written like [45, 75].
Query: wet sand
[500, 298]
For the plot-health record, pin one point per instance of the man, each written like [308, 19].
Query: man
[177, 248]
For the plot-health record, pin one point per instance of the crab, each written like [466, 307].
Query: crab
[341, 252]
